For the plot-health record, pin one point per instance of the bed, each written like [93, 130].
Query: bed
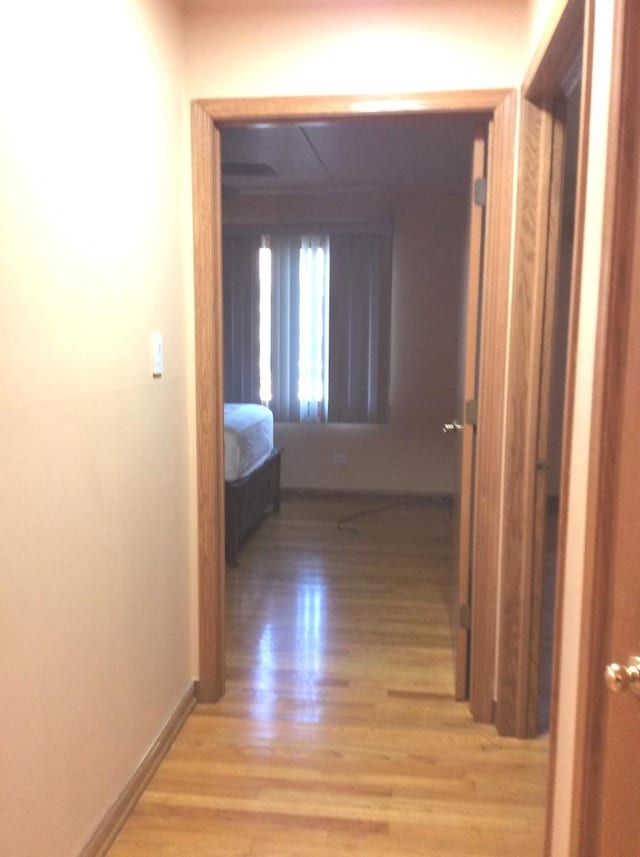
[251, 472]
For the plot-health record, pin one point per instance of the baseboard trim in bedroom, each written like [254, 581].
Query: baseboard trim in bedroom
[325, 493]
[122, 807]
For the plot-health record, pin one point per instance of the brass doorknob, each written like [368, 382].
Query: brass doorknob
[454, 426]
[619, 678]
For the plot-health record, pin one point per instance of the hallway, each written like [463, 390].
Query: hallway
[338, 733]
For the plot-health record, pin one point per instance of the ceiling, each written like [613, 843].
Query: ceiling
[373, 152]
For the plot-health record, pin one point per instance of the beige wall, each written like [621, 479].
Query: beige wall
[543, 14]
[293, 48]
[94, 552]
[97, 459]
[409, 453]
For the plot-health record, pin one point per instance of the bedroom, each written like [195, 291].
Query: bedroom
[409, 177]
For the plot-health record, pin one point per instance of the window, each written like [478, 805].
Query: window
[307, 322]
[294, 326]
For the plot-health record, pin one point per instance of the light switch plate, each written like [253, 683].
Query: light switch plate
[157, 354]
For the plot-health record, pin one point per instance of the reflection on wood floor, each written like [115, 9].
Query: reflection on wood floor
[338, 733]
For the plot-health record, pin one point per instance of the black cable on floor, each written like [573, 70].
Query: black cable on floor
[348, 518]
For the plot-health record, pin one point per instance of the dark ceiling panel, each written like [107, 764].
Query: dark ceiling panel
[387, 152]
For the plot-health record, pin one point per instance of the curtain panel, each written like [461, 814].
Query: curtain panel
[285, 339]
[241, 297]
[329, 327]
[359, 322]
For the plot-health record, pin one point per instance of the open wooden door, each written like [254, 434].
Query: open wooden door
[608, 794]
[462, 428]
[620, 784]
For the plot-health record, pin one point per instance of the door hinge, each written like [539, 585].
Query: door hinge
[480, 191]
[471, 412]
[465, 617]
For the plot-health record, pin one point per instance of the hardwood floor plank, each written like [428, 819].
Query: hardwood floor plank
[338, 733]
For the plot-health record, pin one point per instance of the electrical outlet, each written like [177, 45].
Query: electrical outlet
[340, 458]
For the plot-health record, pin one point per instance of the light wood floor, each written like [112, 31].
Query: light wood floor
[338, 734]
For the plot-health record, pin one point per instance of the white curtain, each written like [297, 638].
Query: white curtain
[299, 327]
[313, 350]
[285, 344]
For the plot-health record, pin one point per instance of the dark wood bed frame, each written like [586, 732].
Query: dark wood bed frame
[246, 501]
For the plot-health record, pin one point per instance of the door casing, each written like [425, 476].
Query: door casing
[564, 54]
[617, 278]
[499, 108]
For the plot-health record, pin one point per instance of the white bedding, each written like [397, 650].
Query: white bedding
[248, 439]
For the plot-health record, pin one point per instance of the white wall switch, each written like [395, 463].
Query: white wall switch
[157, 355]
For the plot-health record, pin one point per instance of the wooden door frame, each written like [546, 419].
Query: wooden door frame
[539, 199]
[621, 210]
[499, 106]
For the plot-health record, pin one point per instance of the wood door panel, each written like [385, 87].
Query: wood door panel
[488, 494]
[620, 781]
[607, 788]
[465, 440]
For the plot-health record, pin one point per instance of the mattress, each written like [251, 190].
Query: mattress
[248, 439]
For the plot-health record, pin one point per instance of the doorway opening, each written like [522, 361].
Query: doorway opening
[395, 349]
[207, 117]
[387, 199]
